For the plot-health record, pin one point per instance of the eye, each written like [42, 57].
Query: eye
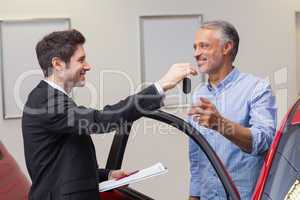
[204, 46]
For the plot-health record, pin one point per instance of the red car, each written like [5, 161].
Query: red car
[13, 183]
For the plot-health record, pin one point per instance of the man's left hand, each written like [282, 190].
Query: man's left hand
[115, 174]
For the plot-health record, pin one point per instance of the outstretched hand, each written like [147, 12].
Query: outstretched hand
[175, 74]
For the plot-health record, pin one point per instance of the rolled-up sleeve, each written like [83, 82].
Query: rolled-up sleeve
[262, 114]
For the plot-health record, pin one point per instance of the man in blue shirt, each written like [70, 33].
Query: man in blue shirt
[234, 111]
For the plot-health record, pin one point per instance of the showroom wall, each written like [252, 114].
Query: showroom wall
[268, 49]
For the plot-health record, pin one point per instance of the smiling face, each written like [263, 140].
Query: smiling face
[73, 73]
[209, 50]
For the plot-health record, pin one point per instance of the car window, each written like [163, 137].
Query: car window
[286, 163]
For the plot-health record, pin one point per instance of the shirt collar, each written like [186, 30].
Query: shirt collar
[228, 79]
[55, 86]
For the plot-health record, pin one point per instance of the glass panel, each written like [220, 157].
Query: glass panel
[294, 193]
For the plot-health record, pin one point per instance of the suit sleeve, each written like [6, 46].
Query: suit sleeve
[64, 116]
[102, 174]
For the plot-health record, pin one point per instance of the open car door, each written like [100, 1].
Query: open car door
[119, 145]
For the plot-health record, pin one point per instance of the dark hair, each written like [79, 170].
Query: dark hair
[61, 44]
[228, 31]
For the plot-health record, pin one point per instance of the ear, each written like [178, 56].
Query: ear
[58, 64]
[227, 48]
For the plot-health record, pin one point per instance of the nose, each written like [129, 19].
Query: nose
[87, 67]
[197, 53]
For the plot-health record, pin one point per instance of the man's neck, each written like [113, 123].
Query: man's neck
[217, 76]
[67, 88]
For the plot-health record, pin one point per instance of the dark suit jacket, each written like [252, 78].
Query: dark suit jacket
[59, 152]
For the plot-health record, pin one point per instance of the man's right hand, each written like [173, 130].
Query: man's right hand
[175, 74]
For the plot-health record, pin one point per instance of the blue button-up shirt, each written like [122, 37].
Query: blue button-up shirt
[244, 99]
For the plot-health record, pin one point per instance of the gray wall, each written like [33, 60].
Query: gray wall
[268, 44]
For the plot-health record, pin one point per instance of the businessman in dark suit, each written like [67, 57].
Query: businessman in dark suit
[60, 155]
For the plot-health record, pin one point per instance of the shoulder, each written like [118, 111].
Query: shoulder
[254, 82]
[43, 97]
[37, 93]
[257, 87]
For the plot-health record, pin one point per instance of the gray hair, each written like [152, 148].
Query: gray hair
[228, 33]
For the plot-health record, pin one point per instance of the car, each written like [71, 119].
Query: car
[13, 183]
[280, 174]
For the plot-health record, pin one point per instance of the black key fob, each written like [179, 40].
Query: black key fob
[186, 85]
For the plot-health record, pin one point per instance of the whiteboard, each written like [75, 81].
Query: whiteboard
[20, 71]
[166, 40]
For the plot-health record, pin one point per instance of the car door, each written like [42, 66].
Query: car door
[119, 145]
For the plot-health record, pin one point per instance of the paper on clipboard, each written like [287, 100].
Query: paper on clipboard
[154, 170]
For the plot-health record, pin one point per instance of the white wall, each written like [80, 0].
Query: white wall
[268, 44]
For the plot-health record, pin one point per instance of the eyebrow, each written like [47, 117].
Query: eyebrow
[200, 43]
[81, 58]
